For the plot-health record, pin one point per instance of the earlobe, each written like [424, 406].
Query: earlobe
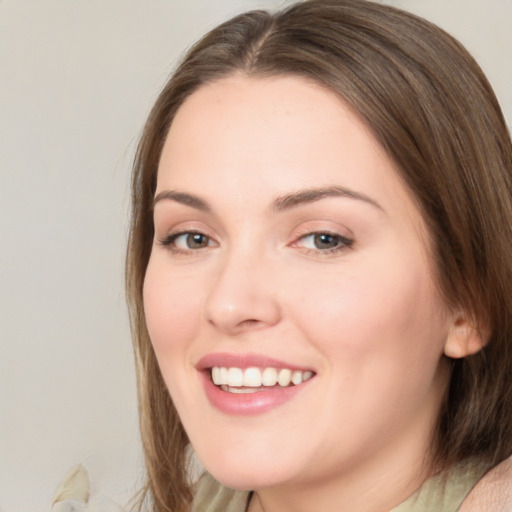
[464, 338]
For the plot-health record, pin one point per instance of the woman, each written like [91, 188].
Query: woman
[319, 267]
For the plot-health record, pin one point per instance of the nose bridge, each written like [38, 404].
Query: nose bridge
[241, 295]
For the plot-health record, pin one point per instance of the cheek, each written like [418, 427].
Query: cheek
[381, 338]
[389, 317]
[171, 307]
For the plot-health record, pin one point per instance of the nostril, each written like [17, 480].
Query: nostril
[249, 322]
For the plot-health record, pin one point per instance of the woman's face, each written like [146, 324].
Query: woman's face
[286, 246]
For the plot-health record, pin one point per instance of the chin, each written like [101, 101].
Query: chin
[244, 482]
[247, 475]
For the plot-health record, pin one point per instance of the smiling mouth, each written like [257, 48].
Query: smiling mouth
[254, 379]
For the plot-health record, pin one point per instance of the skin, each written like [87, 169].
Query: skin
[367, 318]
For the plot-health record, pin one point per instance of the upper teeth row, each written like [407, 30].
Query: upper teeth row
[255, 377]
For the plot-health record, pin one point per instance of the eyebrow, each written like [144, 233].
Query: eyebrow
[183, 198]
[281, 203]
[310, 195]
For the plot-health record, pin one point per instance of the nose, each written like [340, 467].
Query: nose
[242, 296]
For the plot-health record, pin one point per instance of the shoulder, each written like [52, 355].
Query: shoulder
[211, 496]
[492, 492]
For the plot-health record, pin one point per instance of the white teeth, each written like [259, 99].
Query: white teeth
[269, 377]
[235, 377]
[240, 391]
[297, 377]
[285, 377]
[254, 377]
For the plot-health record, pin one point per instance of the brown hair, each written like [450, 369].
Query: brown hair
[432, 109]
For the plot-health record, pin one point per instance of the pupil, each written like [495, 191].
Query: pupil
[325, 241]
[196, 240]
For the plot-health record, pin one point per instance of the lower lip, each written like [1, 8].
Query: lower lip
[247, 404]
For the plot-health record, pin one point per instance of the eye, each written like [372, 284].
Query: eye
[323, 242]
[187, 241]
[191, 241]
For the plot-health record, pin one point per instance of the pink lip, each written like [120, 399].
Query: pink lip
[246, 404]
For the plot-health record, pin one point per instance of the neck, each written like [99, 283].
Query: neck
[379, 496]
[378, 484]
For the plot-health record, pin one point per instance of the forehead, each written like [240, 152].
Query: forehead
[262, 105]
[241, 134]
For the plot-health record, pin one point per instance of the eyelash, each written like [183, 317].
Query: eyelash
[342, 243]
[170, 242]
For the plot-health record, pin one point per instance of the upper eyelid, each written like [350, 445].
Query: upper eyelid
[168, 227]
[323, 226]
[166, 222]
[348, 239]
[181, 232]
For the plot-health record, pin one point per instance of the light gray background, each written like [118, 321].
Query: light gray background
[77, 78]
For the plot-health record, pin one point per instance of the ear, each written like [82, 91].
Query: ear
[464, 337]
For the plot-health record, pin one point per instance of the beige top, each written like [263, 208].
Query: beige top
[439, 493]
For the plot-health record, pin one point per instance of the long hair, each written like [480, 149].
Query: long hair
[433, 111]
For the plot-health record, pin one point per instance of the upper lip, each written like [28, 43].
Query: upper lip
[243, 361]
